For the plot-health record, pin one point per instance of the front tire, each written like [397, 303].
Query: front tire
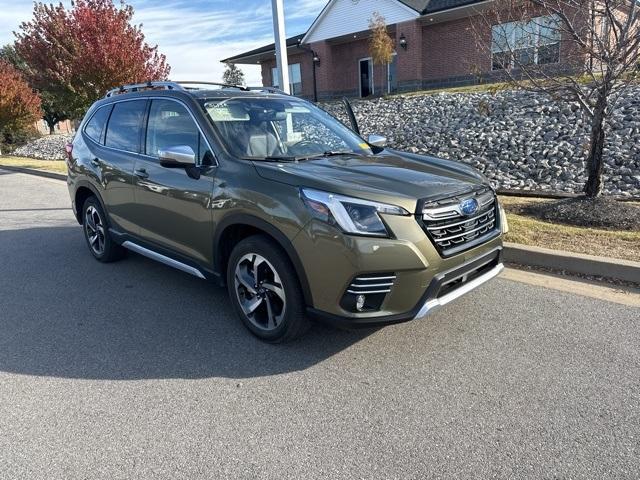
[265, 290]
[96, 232]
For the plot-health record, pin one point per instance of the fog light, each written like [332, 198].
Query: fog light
[360, 302]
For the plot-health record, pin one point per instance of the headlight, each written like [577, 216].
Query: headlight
[352, 215]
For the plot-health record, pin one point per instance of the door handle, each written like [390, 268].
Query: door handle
[95, 162]
[141, 173]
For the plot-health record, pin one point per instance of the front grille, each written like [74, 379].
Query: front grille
[451, 231]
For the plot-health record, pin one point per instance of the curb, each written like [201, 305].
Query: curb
[572, 262]
[555, 195]
[33, 171]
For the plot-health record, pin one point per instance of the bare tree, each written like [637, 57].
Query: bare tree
[381, 45]
[232, 75]
[573, 50]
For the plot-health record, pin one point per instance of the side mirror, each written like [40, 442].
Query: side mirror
[377, 140]
[179, 156]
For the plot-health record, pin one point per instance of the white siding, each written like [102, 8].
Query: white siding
[342, 17]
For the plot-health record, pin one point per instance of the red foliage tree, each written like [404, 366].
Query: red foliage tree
[76, 55]
[19, 104]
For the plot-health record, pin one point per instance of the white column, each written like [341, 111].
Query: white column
[281, 44]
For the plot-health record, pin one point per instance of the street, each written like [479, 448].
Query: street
[135, 370]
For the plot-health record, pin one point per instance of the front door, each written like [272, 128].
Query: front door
[173, 204]
[366, 77]
[116, 161]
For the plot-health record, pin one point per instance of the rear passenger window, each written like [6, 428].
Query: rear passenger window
[95, 126]
[123, 131]
[171, 125]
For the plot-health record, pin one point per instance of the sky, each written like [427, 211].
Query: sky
[195, 34]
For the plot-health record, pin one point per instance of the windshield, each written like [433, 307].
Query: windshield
[260, 128]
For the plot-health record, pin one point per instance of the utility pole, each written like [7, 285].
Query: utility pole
[281, 45]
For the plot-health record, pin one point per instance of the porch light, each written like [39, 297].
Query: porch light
[316, 58]
[403, 41]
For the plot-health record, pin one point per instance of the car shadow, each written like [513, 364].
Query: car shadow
[63, 314]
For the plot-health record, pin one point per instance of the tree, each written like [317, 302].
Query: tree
[74, 56]
[19, 104]
[53, 109]
[599, 42]
[381, 45]
[232, 75]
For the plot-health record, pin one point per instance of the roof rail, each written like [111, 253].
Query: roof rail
[223, 85]
[267, 89]
[134, 87]
[184, 86]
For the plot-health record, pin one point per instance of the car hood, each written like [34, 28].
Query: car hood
[391, 177]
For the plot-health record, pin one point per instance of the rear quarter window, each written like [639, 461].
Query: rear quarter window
[95, 127]
[125, 125]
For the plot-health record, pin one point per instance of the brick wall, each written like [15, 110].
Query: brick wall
[339, 71]
[65, 127]
[441, 54]
[305, 60]
[410, 61]
[450, 50]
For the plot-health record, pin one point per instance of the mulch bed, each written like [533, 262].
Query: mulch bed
[601, 212]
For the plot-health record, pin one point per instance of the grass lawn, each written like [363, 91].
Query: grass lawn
[608, 243]
[58, 166]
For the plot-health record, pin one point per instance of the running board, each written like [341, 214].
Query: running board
[134, 247]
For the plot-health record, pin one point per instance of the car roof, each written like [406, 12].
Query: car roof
[187, 93]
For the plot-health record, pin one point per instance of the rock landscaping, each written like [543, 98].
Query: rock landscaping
[50, 147]
[519, 140]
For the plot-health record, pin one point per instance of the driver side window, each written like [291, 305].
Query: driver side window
[171, 125]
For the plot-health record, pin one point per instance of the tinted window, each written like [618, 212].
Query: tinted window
[171, 125]
[123, 131]
[95, 126]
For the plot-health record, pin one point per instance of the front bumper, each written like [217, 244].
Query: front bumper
[444, 288]
[469, 276]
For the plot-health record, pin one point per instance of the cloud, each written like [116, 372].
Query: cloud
[196, 35]
[13, 13]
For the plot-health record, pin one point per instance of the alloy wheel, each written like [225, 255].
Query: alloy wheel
[260, 291]
[94, 229]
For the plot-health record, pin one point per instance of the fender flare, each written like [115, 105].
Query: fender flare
[277, 235]
[86, 184]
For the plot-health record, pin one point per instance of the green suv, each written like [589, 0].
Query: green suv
[295, 213]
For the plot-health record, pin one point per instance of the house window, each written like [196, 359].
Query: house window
[295, 79]
[536, 42]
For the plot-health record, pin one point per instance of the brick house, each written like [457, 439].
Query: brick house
[436, 46]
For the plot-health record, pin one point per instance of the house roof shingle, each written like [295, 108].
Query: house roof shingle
[425, 7]
[418, 5]
[291, 42]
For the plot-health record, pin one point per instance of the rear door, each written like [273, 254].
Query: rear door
[172, 205]
[116, 161]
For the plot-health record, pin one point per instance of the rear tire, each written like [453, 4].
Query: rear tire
[265, 290]
[96, 232]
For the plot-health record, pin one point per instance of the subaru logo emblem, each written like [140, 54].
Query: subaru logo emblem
[469, 206]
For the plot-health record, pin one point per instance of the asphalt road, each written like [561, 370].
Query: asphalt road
[134, 370]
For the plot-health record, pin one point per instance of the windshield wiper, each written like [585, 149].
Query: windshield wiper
[271, 159]
[329, 153]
